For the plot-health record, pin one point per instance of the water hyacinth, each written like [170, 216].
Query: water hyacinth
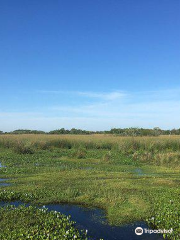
[166, 214]
[34, 223]
[95, 171]
[7, 195]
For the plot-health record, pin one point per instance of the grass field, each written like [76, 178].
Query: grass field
[130, 178]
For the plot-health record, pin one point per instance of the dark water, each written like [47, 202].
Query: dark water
[3, 183]
[2, 180]
[139, 172]
[94, 221]
[1, 166]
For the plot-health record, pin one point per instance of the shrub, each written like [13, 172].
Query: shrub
[80, 153]
[23, 148]
[107, 157]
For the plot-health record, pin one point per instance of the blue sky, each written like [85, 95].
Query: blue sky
[90, 64]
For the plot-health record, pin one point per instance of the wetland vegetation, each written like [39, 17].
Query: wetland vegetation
[131, 178]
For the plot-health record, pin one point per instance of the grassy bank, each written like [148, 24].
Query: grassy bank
[128, 177]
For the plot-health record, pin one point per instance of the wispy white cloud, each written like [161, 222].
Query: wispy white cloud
[103, 95]
[113, 95]
[111, 109]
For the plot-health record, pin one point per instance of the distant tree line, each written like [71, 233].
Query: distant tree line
[115, 131]
[24, 131]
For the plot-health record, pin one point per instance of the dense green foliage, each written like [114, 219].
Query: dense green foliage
[117, 131]
[166, 213]
[26, 131]
[33, 223]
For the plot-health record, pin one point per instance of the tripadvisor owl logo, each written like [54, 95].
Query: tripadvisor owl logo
[138, 231]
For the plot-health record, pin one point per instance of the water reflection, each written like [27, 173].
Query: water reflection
[3, 182]
[94, 221]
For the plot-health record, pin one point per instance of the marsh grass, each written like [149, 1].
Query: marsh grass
[95, 171]
[126, 145]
